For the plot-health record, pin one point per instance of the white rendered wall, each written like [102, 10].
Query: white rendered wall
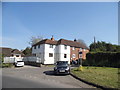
[58, 53]
[39, 52]
[49, 60]
[63, 51]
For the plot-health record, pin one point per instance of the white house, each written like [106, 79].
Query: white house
[51, 51]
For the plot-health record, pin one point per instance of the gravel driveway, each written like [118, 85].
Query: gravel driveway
[44, 75]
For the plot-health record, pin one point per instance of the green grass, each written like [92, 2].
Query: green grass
[103, 76]
[6, 65]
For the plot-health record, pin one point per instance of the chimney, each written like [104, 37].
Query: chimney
[75, 40]
[52, 38]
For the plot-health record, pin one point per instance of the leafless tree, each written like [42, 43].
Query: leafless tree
[82, 42]
[35, 40]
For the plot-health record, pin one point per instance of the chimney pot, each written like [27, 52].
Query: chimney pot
[75, 40]
[52, 38]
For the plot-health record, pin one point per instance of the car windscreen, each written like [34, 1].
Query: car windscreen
[19, 61]
[62, 63]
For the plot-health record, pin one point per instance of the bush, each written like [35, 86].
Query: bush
[108, 59]
[7, 65]
[4, 64]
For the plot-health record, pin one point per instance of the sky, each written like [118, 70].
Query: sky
[67, 20]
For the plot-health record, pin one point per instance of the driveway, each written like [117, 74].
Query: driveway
[38, 77]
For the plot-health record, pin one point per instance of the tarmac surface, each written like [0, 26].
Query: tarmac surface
[38, 77]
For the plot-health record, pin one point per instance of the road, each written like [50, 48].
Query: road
[38, 77]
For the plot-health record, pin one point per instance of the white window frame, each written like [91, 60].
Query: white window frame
[84, 49]
[51, 54]
[65, 55]
[65, 47]
[73, 48]
[51, 46]
[73, 56]
[80, 49]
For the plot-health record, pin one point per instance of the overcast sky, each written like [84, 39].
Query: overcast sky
[67, 20]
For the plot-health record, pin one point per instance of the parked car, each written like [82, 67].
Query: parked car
[19, 63]
[62, 67]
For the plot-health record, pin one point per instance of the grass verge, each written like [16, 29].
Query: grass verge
[8, 65]
[104, 76]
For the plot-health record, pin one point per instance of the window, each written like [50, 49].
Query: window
[73, 56]
[38, 46]
[34, 47]
[80, 49]
[51, 46]
[65, 46]
[73, 48]
[50, 54]
[65, 55]
[17, 55]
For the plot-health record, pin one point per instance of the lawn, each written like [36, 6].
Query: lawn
[103, 76]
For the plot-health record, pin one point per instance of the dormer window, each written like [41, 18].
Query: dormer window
[51, 46]
[65, 46]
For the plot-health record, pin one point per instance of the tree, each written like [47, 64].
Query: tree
[28, 51]
[118, 48]
[34, 40]
[82, 42]
[104, 47]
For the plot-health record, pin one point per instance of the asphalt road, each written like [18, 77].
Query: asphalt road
[36, 77]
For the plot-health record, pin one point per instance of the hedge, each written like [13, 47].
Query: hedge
[103, 59]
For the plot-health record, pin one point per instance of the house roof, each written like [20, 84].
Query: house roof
[5, 51]
[46, 41]
[72, 43]
[9, 51]
[63, 42]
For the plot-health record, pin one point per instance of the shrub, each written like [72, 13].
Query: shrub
[107, 59]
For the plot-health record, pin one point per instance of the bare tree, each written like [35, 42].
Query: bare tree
[35, 40]
[82, 42]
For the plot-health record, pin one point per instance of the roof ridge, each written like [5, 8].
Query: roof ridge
[62, 41]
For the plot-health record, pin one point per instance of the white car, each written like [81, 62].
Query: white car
[19, 63]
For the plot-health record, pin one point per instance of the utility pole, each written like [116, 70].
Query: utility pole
[94, 43]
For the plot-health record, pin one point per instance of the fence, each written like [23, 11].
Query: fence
[12, 59]
[32, 59]
[35, 61]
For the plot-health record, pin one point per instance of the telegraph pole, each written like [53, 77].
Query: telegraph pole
[94, 43]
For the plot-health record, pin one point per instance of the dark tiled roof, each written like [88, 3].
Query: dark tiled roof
[47, 41]
[72, 43]
[6, 51]
[16, 51]
[64, 42]
[9, 51]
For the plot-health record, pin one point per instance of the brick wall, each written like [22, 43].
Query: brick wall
[76, 55]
